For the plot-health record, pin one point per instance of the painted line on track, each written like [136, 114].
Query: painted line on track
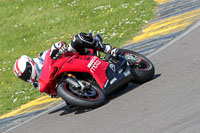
[35, 105]
[173, 19]
[162, 1]
[36, 116]
[197, 24]
[167, 26]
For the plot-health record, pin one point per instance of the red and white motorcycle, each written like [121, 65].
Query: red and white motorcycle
[86, 80]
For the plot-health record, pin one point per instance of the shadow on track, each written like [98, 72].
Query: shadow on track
[77, 110]
[67, 110]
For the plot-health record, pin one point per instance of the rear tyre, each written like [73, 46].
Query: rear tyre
[142, 68]
[92, 97]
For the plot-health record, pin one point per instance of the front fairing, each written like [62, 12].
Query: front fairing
[75, 63]
[45, 74]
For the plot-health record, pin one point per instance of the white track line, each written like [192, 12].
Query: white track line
[194, 26]
[34, 117]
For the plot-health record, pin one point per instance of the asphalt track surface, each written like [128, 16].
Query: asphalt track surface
[170, 103]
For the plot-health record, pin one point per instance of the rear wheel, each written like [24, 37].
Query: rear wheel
[91, 97]
[142, 68]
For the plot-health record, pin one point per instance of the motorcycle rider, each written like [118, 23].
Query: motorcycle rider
[29, 69]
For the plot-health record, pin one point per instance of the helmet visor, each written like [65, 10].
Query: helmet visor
[26, 75]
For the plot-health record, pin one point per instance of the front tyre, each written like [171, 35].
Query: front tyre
[142, 68]
[92, 97]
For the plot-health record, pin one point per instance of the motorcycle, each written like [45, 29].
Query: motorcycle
[86, 80]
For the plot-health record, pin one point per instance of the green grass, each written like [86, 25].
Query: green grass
[28, 27]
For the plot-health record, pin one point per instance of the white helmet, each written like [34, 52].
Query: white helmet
[24, 68]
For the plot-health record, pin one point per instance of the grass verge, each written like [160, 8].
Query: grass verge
[28, 27]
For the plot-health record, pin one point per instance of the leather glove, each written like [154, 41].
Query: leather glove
[111, 50]
[58, 49]
[114, 52]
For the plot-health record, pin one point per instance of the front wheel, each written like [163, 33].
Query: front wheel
[90, 97]
[142, 68]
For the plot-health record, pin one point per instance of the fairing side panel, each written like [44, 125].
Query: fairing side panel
[89, 64]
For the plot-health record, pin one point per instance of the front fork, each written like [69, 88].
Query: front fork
[72, 80]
